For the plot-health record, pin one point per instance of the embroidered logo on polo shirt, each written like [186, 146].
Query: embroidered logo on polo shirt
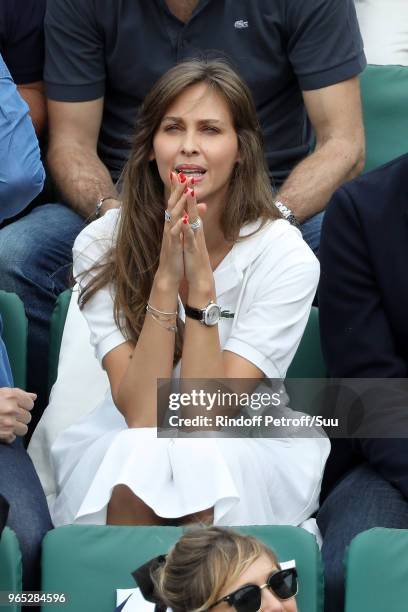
[240, 24]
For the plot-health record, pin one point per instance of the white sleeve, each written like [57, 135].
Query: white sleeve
[276, 305]
[90, 248]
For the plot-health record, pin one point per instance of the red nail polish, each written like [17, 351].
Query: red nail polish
[182, 177]
[186, 190]
[185, 221]
[192, 193]
[192, 181]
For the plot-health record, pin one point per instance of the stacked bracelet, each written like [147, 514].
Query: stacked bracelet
[161, 317]
[170, 328]
[161, 314]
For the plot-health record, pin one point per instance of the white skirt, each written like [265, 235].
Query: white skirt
[248, 481]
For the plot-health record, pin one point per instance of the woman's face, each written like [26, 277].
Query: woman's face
[258, 573]
[197, 137]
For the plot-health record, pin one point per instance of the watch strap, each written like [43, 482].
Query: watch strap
[286, 213]
[194, 313]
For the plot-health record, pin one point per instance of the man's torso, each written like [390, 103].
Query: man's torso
[139, 41]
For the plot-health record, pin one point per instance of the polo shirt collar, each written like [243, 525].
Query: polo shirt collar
[201, 4]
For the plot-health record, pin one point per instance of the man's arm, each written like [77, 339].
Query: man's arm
[358, 342]
[78, 172]
[21, 170]
[336, 116]
[33, 94]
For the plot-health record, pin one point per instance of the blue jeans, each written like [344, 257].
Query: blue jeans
[35, 263]
[311, 231]
[28, 516]
[362, 500]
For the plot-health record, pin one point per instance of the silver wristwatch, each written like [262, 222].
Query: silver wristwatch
[210, 315]
[286, 213]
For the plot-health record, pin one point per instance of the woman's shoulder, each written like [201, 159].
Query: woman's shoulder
[277, 242]
[98, 236]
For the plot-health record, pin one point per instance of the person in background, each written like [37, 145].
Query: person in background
[22, 48]
[300, 59]
[384, 28]
[21, 171]
[21, 178]
[363, 301]
[216, 569]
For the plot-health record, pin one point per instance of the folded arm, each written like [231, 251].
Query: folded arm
[79, 174]
[336, 116]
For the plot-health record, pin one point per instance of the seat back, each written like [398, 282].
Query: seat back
[56, 331]
[15, 328]
[305, 378]
[10, 567]
[308, 361]
[384, 91]
[377, 571]
[88, 563]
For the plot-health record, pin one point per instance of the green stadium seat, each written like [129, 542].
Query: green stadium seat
[10, 567]
[308, 361]
[15, 335]
[384, 91]
[56, 330]
[377, 571]
[88, 563]
[306, 374]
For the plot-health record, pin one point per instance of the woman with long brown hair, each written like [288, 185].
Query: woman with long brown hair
[195, 277]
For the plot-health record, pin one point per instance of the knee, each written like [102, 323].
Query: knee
[121, 495]
[13, 252]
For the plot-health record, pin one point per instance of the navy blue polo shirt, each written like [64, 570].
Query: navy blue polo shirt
[22, 38]
[280, 47]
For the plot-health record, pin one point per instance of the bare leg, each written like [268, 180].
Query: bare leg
[125, 508]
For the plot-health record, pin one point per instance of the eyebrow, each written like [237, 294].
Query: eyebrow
[200, 121]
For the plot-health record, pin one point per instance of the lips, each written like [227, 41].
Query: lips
[191, 169]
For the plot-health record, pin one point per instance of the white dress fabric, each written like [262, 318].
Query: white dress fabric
[135, 601]
[268, 281]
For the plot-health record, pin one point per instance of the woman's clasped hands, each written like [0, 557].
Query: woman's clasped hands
[184, 252]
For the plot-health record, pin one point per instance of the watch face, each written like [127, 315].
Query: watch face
[212, 314]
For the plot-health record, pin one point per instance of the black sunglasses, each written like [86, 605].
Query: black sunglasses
[248, 598]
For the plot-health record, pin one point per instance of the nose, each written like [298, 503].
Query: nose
[270, 603]
[189, 144]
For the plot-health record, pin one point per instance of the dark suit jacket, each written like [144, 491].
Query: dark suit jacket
[363, 303]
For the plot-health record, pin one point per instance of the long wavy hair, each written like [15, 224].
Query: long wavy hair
[130, 266]
[202, 563]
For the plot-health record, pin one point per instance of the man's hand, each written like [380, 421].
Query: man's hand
[15, 407]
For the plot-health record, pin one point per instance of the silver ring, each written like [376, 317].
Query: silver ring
[196, 225]
[167, 216]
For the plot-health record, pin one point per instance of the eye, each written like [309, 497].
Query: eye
[172, 128]
[211, 130]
